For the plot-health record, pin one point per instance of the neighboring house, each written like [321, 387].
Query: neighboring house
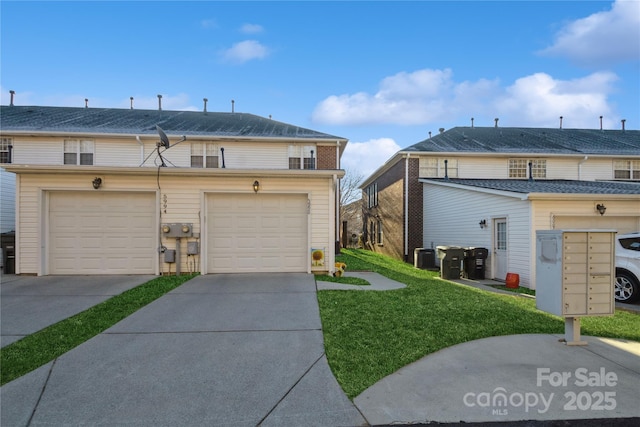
[437, 191]
[99, 192]
[351, 214]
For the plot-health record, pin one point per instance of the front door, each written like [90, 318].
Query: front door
[500, 248]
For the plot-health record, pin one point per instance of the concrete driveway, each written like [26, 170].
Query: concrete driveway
[30, 303]
[236, 350]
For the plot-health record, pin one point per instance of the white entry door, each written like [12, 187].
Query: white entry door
[500, 248]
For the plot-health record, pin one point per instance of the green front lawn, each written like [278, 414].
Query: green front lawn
[369, 335]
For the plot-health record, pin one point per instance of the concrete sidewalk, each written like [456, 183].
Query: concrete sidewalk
[236, 350]
[511, 378]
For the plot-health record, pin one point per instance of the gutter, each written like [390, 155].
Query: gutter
[580, 167]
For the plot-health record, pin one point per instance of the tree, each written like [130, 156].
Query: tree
[351, 203]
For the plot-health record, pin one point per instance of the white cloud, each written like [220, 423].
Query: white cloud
[539, 100]
[424, 96]
[245, 51]
[366, 157]
[610, 36]
[434, 97]
[251, 28]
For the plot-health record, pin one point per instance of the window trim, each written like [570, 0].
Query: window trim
[6, 146]
[538, 168]
[79, 146]
[632, 169]
[204, 154]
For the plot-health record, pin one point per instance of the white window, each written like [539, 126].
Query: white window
[372, 195]
[626, 169]
[78, 152]
[380, 234]
[204, 155]
[302, 157]
[433, 167]
[5, 150]
[519, 168]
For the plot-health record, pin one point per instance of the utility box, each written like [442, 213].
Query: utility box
[424, 258]
[575, 272]
[450, 261]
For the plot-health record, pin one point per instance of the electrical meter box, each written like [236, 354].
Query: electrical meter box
[575, 272]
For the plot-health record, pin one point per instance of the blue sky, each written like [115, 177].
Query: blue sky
[382, 74]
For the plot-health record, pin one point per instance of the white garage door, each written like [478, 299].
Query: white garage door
[622, 224]
[256, 233]
[102, 233]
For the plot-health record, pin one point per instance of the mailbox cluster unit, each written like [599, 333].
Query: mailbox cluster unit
[575, 272]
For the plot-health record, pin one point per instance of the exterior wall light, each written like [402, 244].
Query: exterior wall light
[256, 186]
[482, 223]
[601, 208]
[97, 182]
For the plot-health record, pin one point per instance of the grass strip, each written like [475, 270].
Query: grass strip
[369, 335]
[344, 280]
[41, 347]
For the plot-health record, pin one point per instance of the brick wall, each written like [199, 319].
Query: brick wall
[390, 210]
[327, 157]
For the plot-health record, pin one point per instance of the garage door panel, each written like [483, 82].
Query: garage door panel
[622, 224]
[101, 233]
[269, 233]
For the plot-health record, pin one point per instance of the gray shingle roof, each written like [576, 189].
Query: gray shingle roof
[532, 140]
[141, 122]
[552, 186]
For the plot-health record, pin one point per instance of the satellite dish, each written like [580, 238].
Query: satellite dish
[164, 139]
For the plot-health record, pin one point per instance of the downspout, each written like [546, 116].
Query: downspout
[406, 207]
[141, 149]
[336, 187]
[580, 167]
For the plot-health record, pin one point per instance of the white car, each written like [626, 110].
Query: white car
[627, 267]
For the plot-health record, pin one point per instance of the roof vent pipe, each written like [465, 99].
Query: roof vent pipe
[496, 120]
[160, 102]
[205, 104]
[441, 130]
[233, 106]
[429, 134]
[560, 122]
[131, 99]
[471, 121]
[600, 122]
[12, 92]
[622, 121]
[86, 103]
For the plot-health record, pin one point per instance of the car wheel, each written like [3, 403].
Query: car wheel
[627, 288]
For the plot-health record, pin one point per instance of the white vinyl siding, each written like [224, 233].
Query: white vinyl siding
[181, 199]
[445, 223]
